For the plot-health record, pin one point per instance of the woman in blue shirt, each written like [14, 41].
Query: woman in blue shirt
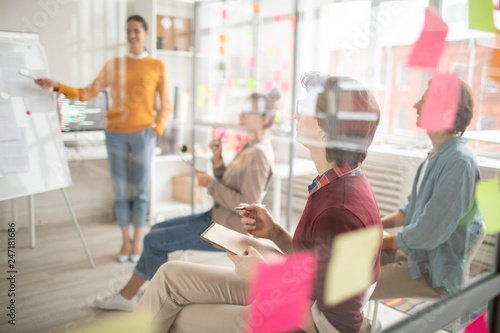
[440, 221]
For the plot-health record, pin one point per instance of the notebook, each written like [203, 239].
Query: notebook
[237, 243]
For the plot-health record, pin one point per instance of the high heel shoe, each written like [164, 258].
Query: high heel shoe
[123, 258]
[135, 258]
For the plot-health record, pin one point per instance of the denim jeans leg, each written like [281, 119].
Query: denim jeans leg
[143, 144]
[181, 233]
[118, 150]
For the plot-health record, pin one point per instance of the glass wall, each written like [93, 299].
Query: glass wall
[246, 46]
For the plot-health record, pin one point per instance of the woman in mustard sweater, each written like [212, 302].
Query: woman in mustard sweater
[132, 126]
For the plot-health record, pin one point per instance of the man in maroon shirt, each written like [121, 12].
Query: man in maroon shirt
[340, 198]
[336, 122]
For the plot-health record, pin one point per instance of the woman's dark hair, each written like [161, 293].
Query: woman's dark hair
[267, 104]
[348, 134]
[139, 19]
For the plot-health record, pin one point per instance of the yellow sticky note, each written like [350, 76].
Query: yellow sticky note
[488, 199]
[350, 270]
[123, 323]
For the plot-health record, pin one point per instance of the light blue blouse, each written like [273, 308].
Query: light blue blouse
[443, 217]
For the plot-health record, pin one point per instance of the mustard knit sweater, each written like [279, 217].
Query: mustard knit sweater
[133, 84]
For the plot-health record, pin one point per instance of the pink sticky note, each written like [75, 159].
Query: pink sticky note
[247, 61]
[285, 85]
[270, 38]
[286, 64]
[280, 294]
[428, 48]
[224, 14]
[277, 18]
[220, 131]
[229, 83]
[479, 325]
[268, 86]
[440, 105]
[276, 75]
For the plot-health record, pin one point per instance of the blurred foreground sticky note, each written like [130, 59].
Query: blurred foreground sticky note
[428, 48]
[123, 323]
[479, 325]
[488, 199]
[440, 105]
[481, 15]
[494, 71]
[280, 294]
[350, 270]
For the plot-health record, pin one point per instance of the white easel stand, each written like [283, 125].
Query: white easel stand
[32, 224]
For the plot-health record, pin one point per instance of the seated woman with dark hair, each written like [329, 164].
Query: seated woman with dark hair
[199, 298]
[440, 221]
[246, 177]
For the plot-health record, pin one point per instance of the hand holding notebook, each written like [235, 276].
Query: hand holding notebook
[237, 243]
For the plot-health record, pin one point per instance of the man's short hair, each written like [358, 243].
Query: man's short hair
[348, 114]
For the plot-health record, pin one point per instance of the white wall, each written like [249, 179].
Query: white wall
[79, 35]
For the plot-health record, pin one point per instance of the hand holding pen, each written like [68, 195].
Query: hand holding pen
[216, 147]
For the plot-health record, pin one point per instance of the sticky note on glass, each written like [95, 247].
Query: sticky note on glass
[481, 15]
[277, 18]
[494, 70]
[479, 325]
[221, 50]
[488, 199]
[251, 83]
[280, 294]
[276, 75]
[440, 105]
[256, 8]
[247, 61]
[285, 85]
[429, 46]
[229, 83]
[268, 86]
[344, 279]
[125, 323]
[270, 52]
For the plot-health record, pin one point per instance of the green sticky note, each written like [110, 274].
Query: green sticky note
[200, 101]
[488, 199]
[251, 84]
[236, 83]
[249, 33]
[271, 52]
[201, 90]
[481, 15]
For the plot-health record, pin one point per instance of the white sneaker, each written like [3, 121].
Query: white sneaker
[115, 302]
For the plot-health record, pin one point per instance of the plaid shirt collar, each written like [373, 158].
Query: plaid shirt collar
[331, 175]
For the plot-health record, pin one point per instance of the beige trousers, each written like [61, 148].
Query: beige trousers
[190, 297]
[395, 280]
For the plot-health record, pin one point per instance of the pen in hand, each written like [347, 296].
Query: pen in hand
[219, 138]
